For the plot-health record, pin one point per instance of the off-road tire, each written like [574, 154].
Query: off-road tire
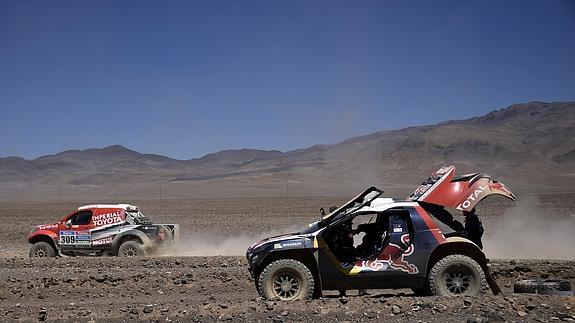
[541, 286]
[42, 249]
[131, 248]
[456, 275]
[272, 281]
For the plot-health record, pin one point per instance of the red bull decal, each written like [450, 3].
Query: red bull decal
[392, 257]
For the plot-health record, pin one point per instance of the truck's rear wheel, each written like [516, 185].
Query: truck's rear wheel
[131, 249]
[286, 280]
[456, 275]
[42, 249]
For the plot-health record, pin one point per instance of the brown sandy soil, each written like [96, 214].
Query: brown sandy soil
[219, 287]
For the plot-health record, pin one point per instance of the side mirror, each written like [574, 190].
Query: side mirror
[68, 224]
[322, 211]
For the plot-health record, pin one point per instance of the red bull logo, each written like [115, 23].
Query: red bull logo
[391, 257]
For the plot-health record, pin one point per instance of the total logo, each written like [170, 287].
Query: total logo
[471, 198]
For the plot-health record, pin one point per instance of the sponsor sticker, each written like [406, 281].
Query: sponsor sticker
[290, 244]
[47, 226]
[476, 193]
[397, 228]
[102, 241]
[71, 237]
[108, 218]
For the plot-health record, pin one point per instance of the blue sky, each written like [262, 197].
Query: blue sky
[186, 78]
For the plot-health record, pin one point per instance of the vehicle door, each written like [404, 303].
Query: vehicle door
[390, 258]
[107, 223]
[74, 233]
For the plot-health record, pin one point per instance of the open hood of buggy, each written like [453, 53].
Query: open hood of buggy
[462, 192]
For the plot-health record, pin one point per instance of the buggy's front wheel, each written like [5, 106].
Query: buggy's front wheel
[286, 280]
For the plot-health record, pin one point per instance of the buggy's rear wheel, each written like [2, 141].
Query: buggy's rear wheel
[456, 275]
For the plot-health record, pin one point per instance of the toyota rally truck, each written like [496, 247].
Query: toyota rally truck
[102, 229]
[414, 243]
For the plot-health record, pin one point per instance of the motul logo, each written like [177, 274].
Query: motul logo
[467, 203]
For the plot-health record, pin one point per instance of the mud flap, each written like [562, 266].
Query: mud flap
[491, 281]
[318, 289]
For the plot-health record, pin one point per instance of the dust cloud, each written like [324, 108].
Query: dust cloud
[211, 244]
[528, 231]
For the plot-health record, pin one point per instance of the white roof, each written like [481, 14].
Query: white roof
[108, 206]
[381, 204]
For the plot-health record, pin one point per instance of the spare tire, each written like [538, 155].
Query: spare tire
[543, 286]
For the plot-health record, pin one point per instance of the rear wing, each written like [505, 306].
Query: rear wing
[462, 192]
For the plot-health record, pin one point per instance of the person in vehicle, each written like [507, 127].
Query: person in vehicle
[372, 241]
[448, 225]
[473, 228]
[343, 248]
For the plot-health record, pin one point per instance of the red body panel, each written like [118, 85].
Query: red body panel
[53, 235]
[437, 234]
[100, 217]
[462, 194]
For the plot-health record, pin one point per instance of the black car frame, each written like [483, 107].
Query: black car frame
[415, 245]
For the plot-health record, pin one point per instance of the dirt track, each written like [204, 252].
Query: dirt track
[219, 287]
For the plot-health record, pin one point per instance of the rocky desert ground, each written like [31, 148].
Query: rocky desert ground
[206, 279]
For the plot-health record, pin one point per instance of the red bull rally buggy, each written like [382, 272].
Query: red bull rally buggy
[102, 229]
[409, 243]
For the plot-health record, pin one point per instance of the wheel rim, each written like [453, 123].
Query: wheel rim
[457, 282]
[130, 252]
[286, 286]
[41, 253]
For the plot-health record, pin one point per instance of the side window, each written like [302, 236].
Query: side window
[400, 228]
[81, 218]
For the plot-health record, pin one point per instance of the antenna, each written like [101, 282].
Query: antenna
[287, 184]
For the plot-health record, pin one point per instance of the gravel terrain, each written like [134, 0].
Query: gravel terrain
[219, 288]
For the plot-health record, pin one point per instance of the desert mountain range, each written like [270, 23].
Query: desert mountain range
[530, 147]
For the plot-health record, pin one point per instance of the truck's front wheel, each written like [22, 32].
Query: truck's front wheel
[42, 249]
[286, 280]
[131, 249]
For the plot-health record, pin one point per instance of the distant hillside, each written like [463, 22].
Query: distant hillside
[529, 146]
